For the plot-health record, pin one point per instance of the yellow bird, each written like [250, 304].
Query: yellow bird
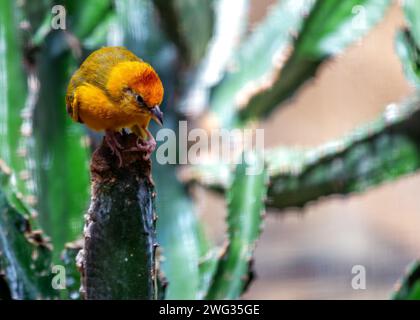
[114, 89]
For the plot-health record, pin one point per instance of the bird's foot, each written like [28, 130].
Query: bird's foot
[114, 145]
[146, 146]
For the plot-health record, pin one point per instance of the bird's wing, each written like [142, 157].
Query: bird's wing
[96, 68]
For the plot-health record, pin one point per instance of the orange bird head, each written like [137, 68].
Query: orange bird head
[137, 86]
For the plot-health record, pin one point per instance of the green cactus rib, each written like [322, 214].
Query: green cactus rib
[409, 54]
[229, 29]
[69, 260]
[60, 149]
[329, 29]
[187, 262]
[98, 37]
[86, 15]
[409, 284]
[178, 233]
[245, 209]
[83, 20]
[382, 150]
[25, 256]
[118, 257]
[408, 42]
[189, 24]
[207, 262]
[270, 67]
[257, 59]
[13, 92]
[412, 14]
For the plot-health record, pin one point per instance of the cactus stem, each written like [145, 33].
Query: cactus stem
[118, 258]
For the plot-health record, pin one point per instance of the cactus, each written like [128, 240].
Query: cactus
[377, 152]
[382, 151]
[270, 42]
[12, 98]
[411, 10]
[25, 255]
[189, 24]
[258, 85]
[121, 215]
[174, 207]
[409, 286]
[212, 69]
[59, 147]
[408, 42]
[318, 40]
[245, 208]
[68, 257]
[228, 31]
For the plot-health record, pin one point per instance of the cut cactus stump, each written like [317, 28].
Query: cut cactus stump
[118, 258]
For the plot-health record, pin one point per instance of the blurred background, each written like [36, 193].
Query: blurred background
[309, 253]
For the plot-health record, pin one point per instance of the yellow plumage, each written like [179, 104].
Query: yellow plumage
[102, 92]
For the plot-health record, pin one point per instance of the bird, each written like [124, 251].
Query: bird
[114, 90]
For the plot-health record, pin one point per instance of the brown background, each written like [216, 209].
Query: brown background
[309, 254]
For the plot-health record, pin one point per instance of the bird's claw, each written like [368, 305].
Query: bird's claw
[142, 145]
[114, 146]
[146, 146]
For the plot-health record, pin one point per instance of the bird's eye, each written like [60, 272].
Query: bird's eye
[140, 100]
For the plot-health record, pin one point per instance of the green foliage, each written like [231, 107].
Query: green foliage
[86, 15]
[380, 151]
[245, 200]
[25, 257]
[270, 66]
[330, 27]
[13, 91]
[377, 152]
[228, 31]
[409, 285]
[68, 258]
[189, 24]
[181, 250]
[98, 36]
[258, 58]
[412, 13]
[408, 42]
[409, 54]
[60, 149]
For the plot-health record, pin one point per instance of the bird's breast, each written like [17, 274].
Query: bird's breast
[99, 112]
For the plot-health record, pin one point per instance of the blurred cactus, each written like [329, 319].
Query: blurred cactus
[409, 286]
[212, 69]
[281, 54]
[408, 42]
[245, 214]
[374, 153]
[189, 24]
[25, 255]
[13, 90]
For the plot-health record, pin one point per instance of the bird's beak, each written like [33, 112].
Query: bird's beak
[157, 115]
